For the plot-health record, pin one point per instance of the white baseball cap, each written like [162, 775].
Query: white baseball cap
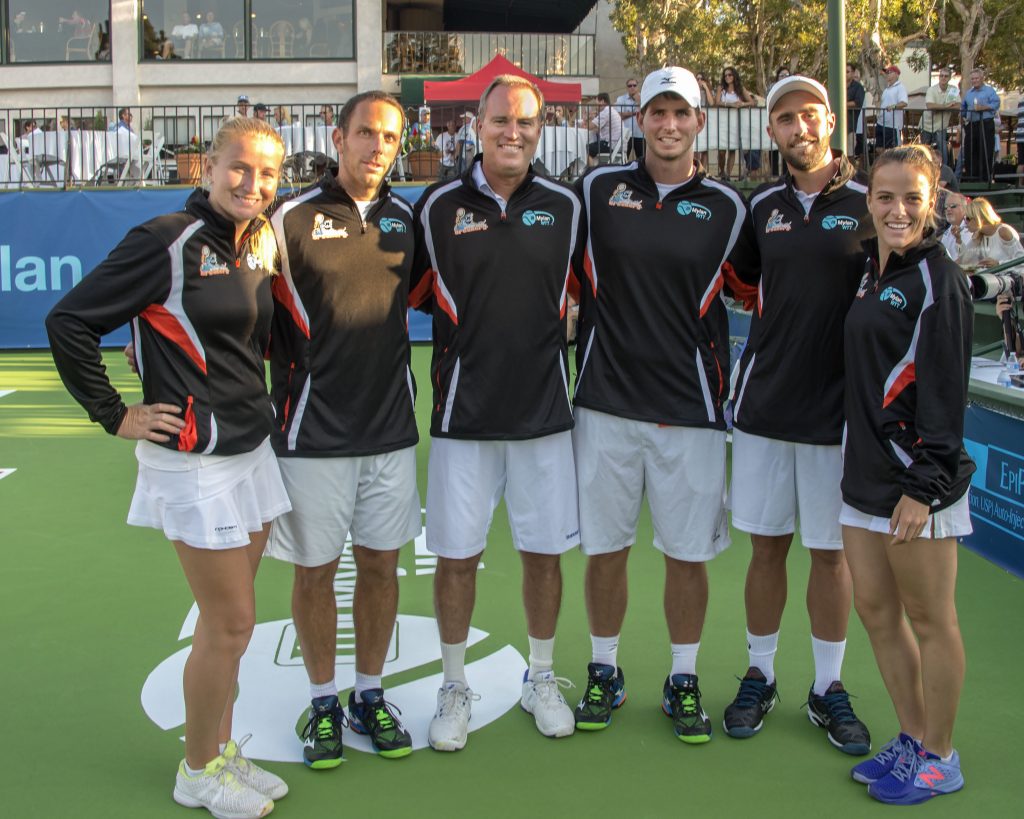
[670, 80]
[796, 82]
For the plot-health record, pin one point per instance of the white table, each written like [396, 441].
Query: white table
[730, 128]
[560, 146]
[42, 156]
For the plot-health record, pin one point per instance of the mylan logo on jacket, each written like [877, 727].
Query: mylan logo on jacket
[538, 217]
[688, 208]
[839, 222]
[392, 226]
[894, 298]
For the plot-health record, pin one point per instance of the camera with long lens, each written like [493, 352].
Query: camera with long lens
[988, 286]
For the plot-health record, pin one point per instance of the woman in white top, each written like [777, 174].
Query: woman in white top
[730, 94]
[992, 242]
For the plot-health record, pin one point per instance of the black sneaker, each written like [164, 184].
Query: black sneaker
[833, 712]
[744, 716]
[322, 734]
[681, 701]
[605, 691]
[375, 718]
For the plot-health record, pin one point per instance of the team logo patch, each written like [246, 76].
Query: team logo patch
[538, 217]
[254, 261]
[323, 228]
[210, 265]
[688, 208]
[894, 298]
[393, 226]
[839, 222]
[775, 223]
[465, 222]
[865, 283]
[622, 197]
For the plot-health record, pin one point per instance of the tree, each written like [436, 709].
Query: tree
[981, 32]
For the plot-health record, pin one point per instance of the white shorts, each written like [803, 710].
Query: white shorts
[682, 470]
[953, 521]
[774, 482]
[373, 498]
[467, 479]
[207, 501]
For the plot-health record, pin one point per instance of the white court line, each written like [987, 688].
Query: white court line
[6, 392]
[4, 472]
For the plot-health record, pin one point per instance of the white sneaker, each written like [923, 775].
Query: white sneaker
[218, 790]
[542, 698]
[450, 725]
[251, 774]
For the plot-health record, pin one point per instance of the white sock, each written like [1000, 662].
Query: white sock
[828, 663]
[684, 658]
[762, 648]
[366, 681]
[453, 661]
[194, 772]
[542, 654]
[222, 746]
[327, 689]
[604, 650]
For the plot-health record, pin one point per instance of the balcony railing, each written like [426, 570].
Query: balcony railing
[448, 52]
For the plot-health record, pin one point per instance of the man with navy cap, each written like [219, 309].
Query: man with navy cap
[653, 364]
[802, 248]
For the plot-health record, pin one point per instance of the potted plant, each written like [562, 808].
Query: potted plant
[190, 159]
[423, 159]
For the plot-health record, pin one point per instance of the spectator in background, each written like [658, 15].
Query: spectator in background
[242, 105]
[303, 37]
[731, 94]
[28, 127]
[889, 125]
[956, 232]
[465, 143]
[82, 26]
[261, 110]
[606, 127]
[446, 144]
[211, 33]
[777, 170]
[707, 99]
[992, 241]
[940, 101]
[183, 36]
[559, 115]
[327, 114]
[854, 113]
[978, 111]
[282, 116]
[1019, 137]
[627, 106]
[124, 119]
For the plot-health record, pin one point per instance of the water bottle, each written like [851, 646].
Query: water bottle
[1012, 364]
[1003, 379]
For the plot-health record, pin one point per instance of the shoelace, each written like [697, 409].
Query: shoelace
[455, 699]
[598, 690]
[547, 688]
[906, 765]
[384, 716]
[240, 761]
[839, 708]
[687, 700]
[751, 693]
[323, 723]
[890, 752]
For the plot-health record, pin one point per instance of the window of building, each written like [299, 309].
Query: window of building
[277, 30]
[57, 31]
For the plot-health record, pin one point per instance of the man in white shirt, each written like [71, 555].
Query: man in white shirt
[889, 126]
[465, 143]
[606, 126]
[627, 107]
[954, 236]
[939, 101]
[184, 35]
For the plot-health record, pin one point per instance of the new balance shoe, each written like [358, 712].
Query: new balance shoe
[542, 698]
[744, 716]
[373, 716]
[251, 774]
[871, 770]
[681, 701]
[918, 777]
[606, 691]
[219, 790]
[322, 734]
[450, 725]
[833, 712]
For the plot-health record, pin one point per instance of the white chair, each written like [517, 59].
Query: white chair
[615, 154]
[152, 167]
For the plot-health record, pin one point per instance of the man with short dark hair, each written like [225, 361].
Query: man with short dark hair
[124, 119]
[346, 429]
[628, 106]
[606, 129]
[802, 248]
[260, 110]
[494, 269]
[649, 405]
[854, 113]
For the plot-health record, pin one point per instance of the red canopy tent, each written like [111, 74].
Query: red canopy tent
[469, 89]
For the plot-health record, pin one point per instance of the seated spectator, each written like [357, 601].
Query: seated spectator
[303, 37]
[956, 232]
[183, 35]
[327, 114]
[606, 129]
[211, 33]
[82, 27]
[992, 241]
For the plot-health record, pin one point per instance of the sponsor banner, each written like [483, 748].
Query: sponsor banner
[50, 240]
[995, 443]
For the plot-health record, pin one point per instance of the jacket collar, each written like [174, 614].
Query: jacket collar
[198, 205]
[844, 172]
[467, 177]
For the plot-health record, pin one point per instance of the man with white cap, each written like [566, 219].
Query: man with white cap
[802, 248]
[653, 363]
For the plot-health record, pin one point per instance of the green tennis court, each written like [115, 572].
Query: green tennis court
[92, 609]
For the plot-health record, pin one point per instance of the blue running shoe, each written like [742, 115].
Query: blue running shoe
[605, 691]
[744, 716]
[833, 712]
[924, 777]
[681, 702]
[880, 764]
[371, 715]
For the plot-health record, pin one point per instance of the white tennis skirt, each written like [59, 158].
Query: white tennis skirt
[207, 501]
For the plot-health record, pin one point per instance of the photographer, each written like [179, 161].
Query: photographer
[1013, 336]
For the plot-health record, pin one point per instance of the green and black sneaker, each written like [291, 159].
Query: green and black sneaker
[322, 734]
[682, 703]
[605, 691]
[375, 718]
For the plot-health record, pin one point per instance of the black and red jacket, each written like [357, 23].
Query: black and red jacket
[908, 359]
[806, 267]
[339, 353]
[653, 337]
[496, 282]
[200, 315]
